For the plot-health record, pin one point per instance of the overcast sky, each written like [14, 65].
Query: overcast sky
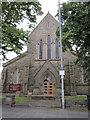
[50, 6]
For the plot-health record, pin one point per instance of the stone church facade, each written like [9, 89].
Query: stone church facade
[37, 70]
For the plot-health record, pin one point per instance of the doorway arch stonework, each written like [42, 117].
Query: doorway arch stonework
[52, 77]
[47, 68]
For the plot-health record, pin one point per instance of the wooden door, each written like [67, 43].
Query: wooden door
[48, 88]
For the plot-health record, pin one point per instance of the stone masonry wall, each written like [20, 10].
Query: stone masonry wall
[30, 64]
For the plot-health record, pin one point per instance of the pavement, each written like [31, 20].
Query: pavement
[20, 111]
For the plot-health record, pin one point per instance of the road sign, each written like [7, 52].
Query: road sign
[61, 72]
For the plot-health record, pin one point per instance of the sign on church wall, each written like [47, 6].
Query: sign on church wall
[14, 87]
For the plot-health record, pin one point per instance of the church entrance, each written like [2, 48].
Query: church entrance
[48, 87]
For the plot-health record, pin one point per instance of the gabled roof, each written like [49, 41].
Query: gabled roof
[43, 19]
[14, 59]
[19, 57]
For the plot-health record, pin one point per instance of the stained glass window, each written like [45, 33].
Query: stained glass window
[57, 49]
[49, 48]
[84, 78]
[15, 77]
[41, 49]
[48, 24]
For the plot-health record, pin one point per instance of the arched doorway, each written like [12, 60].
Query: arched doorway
[47, 86]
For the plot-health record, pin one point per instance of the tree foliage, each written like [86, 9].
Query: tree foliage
[13, 13]
[76, 31]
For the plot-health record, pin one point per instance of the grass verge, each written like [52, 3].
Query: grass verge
[19, 99]
[78, 97]
[2, 97]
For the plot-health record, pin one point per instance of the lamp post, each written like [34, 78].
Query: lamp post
[61, 73]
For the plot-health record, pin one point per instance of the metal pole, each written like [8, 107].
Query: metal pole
[61, 57]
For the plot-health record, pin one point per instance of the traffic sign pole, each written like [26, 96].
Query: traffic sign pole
[62, 76]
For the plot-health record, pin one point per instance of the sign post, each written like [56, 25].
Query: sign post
[61, 72]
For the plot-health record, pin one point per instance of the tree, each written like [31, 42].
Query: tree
[76, 31]
[13, 13]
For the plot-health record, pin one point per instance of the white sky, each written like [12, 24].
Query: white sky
[50, 5]
[47, 5]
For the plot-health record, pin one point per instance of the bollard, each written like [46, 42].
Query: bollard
[88, 101]
[13, 100]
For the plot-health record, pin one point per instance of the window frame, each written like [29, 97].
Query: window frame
[57, 49]
[41, 50]
[84, 80]
[15, 76]
[48, 47]
[48, 24]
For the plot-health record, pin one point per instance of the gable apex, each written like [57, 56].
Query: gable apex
[47, 15]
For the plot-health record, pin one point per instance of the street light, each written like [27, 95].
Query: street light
[61, 73]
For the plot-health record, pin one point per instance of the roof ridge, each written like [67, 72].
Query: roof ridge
[14, 59]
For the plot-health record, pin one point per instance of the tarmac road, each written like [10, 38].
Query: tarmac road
[32, 112]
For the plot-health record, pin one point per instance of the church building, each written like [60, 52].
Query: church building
[37, 70]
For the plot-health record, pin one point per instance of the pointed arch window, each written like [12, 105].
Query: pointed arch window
[48, 24]
[57, 49]
[41, 50]
[84, 78]
[15, 76]
[49, 48]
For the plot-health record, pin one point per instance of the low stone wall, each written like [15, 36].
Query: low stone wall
[76, 103]
[82, 89]
[41, 97]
